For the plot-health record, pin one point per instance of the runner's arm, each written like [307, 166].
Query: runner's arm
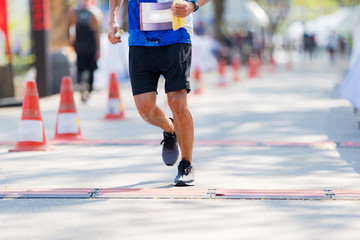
[114, 27]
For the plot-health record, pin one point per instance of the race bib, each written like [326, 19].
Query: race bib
[155, 16]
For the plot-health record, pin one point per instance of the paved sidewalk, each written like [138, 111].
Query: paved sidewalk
[284, 142]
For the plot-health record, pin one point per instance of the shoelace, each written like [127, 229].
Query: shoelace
[168, 141]
[184, 167]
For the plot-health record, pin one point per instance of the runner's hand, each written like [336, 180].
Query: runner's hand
[113, 29]
[183, 9]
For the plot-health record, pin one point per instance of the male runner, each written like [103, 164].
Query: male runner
[156, 49]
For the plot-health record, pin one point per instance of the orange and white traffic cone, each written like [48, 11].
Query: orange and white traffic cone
[289, 64]
[67, 123]
[115, 108]
[32, 133]
[254, 65]
[199, 87]
[236, 68]
[222, 66]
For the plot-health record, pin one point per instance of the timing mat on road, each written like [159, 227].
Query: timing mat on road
[179, 193]
[324, 144]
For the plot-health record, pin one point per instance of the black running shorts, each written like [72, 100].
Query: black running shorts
[146, 64]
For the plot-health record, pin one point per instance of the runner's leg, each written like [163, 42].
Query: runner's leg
[183, 121]
[152, 113]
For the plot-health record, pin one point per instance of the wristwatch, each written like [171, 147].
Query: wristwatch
[196, 4]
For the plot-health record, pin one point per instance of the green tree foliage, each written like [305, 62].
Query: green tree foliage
[59, 25]
[309, 9]
[277, 11]
[348, 3]
[281, 12]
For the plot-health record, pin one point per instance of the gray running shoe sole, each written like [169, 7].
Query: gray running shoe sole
[170, 151]
[181, 183]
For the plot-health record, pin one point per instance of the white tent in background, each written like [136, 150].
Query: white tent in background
[238, 12]
[356, 44]
[350, 88]
[244, 12]
[325, 25]
[342, 21]
[295, 31]
[348, 23]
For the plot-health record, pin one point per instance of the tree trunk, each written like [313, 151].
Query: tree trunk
[125, 25]
[59, 24]
[219, 6]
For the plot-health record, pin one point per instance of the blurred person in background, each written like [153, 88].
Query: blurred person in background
[87, 19]
[342, 46]
[331, 45]
[309, 44]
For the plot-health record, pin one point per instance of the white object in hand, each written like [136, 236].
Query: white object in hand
[119, 33]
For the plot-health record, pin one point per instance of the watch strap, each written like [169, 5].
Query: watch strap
[196, 4]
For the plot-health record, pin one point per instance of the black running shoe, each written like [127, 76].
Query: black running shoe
[186, 174]
[170, 151]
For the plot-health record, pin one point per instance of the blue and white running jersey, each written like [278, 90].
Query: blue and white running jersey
[150, 24]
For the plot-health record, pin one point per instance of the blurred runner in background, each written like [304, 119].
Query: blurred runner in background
[85, 39]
